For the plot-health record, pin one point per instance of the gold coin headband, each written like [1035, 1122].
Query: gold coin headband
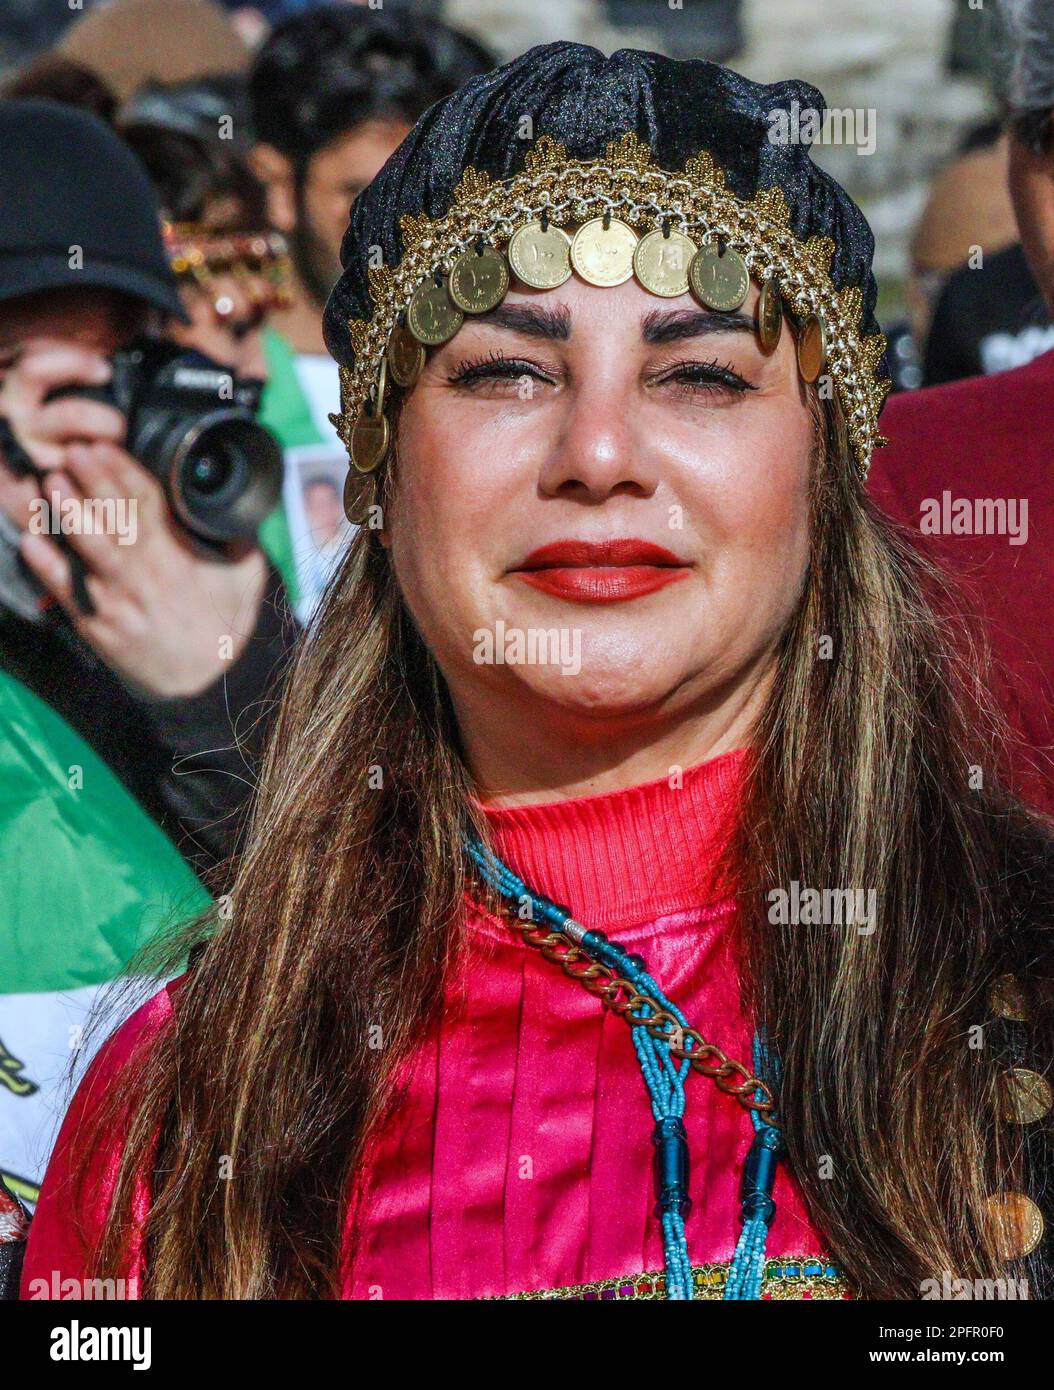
[674, 232]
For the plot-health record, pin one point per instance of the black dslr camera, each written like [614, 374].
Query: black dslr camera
[192, 423]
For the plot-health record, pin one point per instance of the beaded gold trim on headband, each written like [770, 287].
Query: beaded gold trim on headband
[627, 184]
[785, 1279]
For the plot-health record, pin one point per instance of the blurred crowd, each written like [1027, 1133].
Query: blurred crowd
[173, 207]
[175, 186]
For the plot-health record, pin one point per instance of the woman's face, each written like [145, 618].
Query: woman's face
[622, 476]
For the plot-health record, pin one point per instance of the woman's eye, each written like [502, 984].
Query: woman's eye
[711, 377]
[499, 373]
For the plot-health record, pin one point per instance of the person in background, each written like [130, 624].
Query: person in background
[135, 678]
[209, 195]
[324, 511]
[229, 273]
[233, 269]
[967, 205]
[333, 92]
[983, 311]
[328, 528]
[968, 463]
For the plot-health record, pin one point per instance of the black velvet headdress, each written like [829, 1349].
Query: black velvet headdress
[638, 134]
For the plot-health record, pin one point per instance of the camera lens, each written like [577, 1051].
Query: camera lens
[215, 464]
[227, 476]
[208, 473]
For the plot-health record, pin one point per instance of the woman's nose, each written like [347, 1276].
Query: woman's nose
[599, 451]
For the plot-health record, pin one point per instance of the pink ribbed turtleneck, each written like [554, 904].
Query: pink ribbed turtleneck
[519, 1157]
[630, 855]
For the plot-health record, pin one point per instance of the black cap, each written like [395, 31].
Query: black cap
[67, 181]
[583, 99]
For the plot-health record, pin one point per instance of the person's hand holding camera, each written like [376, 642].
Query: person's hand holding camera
[169, 615]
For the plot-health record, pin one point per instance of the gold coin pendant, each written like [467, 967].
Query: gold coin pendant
[406, 357]
[770, 316]
[1026, 1096]
[479, 280]
[541, 258]
[432, 316]
[661, 263]
[359, 495]
[369, 441]
[812, 347]
[1007, 998]
[720, 281]
[604, 255]
[1018, 1223]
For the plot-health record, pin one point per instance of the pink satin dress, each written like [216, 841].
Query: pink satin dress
[519, 1161]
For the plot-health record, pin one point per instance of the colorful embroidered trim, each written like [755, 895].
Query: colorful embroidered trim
[784, 1279]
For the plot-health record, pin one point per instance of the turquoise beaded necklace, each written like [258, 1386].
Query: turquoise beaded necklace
[657, 1026]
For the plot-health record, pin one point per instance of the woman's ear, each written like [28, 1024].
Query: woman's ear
[275, 172]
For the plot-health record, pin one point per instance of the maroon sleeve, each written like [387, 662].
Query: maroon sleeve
[989, 439]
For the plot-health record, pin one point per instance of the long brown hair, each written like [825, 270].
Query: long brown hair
[327, 964]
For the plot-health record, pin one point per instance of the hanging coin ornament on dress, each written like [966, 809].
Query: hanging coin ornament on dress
[1008, 999]
[359, 496]
[479, 280]
[406, 357]
[721, 281]
[1025, 1096]
[433, 317]
[661, 262]
[812, 348]
[770, 315]
[602, 255]
[1017, 1222]
[541, 256]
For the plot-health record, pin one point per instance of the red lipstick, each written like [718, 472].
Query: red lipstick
[600, 571]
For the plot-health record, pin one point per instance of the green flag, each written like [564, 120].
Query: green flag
[88, 878]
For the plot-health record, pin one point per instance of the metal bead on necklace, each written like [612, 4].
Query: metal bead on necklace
[668, 1049]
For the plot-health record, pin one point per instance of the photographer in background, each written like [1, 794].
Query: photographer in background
[135, 678]
[167, 660]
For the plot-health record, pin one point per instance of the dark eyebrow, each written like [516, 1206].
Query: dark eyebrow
[660, 326]
[674, 325]
[531, 320]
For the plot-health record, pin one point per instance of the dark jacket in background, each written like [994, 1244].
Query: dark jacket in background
[191, 763]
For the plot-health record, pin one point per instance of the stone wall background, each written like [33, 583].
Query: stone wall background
[888, 57]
